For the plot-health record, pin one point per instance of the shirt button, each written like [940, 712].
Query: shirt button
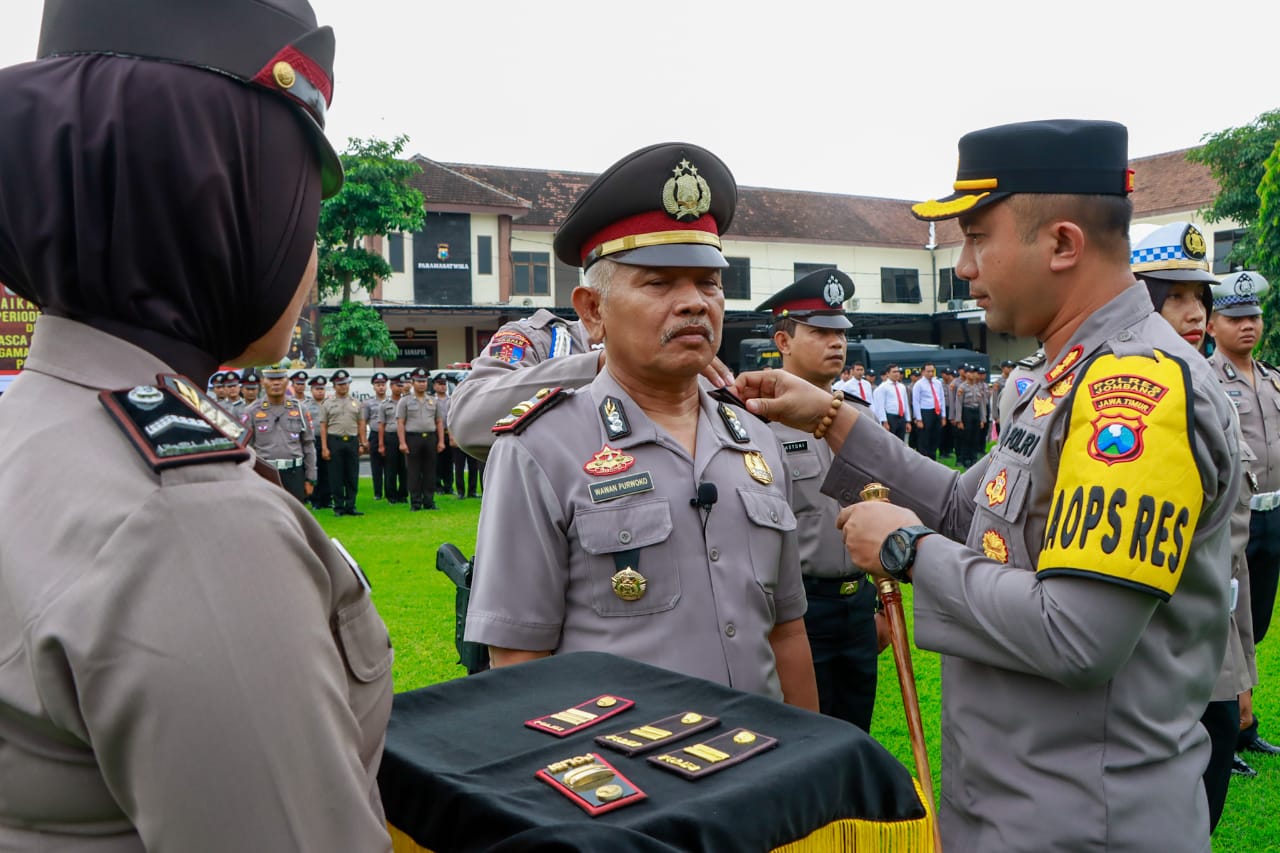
[795, 472]
[729, 630]
[773, 516]
[715, 554]
[625, 537]
[1126, 335]
[846, 496]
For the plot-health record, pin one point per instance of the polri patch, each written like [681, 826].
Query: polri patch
[795, 446]
[615, 418]
[1022, 384]
[167, 431]
[712, 756]
[657, 734]
[620, 487]
[508, 347]
[580, 716]
[591, 783]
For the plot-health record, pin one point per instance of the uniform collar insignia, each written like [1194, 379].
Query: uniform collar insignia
[736, 427]
[1064, 364]
[615, 421]
[1229, 370]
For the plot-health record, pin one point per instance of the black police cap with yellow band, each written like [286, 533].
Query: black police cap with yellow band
[1067, 156]
[271, 44]
[661, 206]
[817, 299]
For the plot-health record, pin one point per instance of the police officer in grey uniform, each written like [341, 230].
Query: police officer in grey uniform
[342, 440]
[1079, 587]
[418, 428]
[1253, 387]
[1172, 262]
[372, 410]
[280, 433]
[395, 478]
[250, 386]
[157, 693]
[672, 543]
[217, 384]
[233, 402]
[809, 331]
[298, 385]
[321, 495]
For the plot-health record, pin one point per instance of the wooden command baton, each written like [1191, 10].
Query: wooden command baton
[891, 599]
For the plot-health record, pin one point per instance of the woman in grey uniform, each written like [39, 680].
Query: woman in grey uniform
[155, 695]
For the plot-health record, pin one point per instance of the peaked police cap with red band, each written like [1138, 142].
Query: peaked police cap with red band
[1066, 156]
[661, 206]
[271, 44]
[817, 299]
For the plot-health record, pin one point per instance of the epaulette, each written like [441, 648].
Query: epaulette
[524, 413]
[174, 423]
[1268, 365]
[1032, 361]
[724, 395]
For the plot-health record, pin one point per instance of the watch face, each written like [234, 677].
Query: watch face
[894, 552]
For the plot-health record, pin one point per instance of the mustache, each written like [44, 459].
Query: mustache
[669, 334]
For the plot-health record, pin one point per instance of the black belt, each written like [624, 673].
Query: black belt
[424, 434]
[845, 586]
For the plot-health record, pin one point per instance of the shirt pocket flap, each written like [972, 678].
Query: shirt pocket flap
[365, 643]
[768, 510]
[804, 466]
[621, 528]
[1004, 491]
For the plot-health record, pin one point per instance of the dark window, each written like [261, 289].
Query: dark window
[737, 278]
[801, 270]
[951, 286]
[395, 248]
[484, 255]
[1223, 243]
[899, 285]
[532, 273]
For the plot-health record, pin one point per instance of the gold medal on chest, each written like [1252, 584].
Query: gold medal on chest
[608, 461]
[757, 467]
[629, 585]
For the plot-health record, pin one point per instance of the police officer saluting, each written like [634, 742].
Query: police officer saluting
[1253, 387]
[652, 520]
[342, 441]
[809, 330]
[280, 434]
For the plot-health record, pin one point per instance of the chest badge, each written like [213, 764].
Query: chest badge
[757, 467]
[608, 461]
[1062, 387]
[1064, 364]
[615, 419]
[629, 585]
[997, 488]
[736, 427]
[994, 546]
[1042, 405]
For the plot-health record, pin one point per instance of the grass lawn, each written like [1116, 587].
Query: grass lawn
[397, 548]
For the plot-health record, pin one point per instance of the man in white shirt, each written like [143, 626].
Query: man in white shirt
[892, 403]
[928, 398]
[857, 385]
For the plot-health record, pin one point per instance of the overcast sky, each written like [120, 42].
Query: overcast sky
[866, 98]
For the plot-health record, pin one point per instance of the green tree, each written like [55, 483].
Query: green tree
[376, 199]
[1244, 163]
[355, 329]
[1266, 253]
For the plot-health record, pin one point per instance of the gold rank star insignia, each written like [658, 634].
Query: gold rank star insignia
[1043, 405]
[757, 467]
[629, 585]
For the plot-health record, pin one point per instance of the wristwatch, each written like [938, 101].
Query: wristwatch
[899, 551]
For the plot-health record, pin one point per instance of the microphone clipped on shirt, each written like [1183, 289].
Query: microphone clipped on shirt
[707, 497]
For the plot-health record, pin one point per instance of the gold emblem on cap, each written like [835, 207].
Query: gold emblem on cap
[691, 718]
[744, 736]
[629, 585]
[1193, 243]
[757, 467]
[284, 75]
[608, 793]
[606, 702]
[686, 195]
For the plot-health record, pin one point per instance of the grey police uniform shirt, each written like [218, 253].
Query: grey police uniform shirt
[1258, 405]
[1239, 666]
[1070, 705]
[371, 408]
[282, 433]
[314, 413]
[419, 415]
[387, 418]
[822, 551]
[558, 353]
[341, 415]
[549, 531]
[155, 695]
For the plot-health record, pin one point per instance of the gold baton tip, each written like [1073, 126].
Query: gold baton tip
[874, 492]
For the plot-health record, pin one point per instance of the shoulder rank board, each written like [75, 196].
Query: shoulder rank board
[169, 429]
[615, 418]
[736, 427]
[523, 413]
